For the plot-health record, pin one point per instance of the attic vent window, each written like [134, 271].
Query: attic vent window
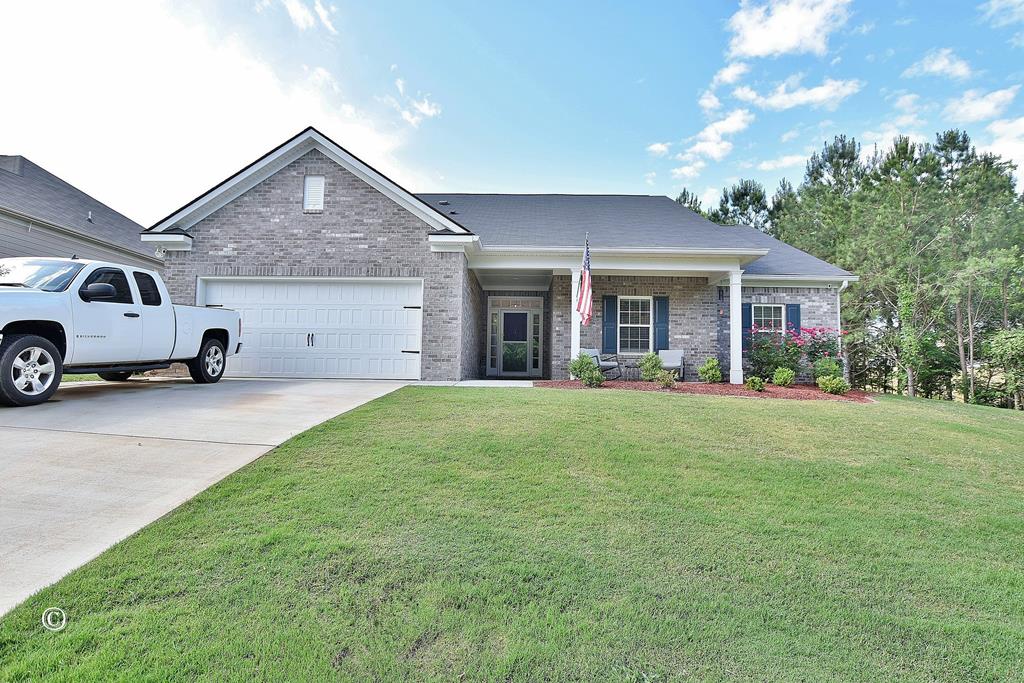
[313, 194]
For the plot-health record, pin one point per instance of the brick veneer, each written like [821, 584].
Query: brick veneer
[360, 232]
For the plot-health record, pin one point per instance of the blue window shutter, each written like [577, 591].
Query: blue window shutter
[748, 322]
[660, 323]
[793, 317]
[609, 338]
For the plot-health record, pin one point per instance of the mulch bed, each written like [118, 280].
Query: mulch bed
[805, 392]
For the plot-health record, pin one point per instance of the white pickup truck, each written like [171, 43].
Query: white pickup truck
[67, 315]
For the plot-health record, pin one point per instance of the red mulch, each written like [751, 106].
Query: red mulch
[798, 391]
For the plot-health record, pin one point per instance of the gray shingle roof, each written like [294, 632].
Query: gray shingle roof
[616, 221]
[31, 190]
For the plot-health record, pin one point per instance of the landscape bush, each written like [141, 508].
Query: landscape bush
[833, 385]
[579, 365]
[711, 371]
[650, 365]
[666, 378]
[819, 342]
[592, 378]
[827, 367]
[770, 350]
[783, 377]
[754, 383]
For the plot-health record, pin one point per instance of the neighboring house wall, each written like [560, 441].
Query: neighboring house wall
[19, 237]
[360, 232]
[819, 307]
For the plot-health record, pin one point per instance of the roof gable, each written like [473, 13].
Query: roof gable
[284, 154]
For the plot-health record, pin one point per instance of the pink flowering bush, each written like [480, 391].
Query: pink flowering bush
[771, 349]
[819, 342]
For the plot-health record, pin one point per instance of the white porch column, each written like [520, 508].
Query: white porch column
[736, 327]
[577, 319]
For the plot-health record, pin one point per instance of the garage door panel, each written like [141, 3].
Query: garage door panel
[360, 328]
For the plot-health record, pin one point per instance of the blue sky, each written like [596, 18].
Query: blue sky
[502, 97]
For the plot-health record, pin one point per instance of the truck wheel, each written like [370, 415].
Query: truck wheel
[208, 366]
[115, 376]
[30, 369]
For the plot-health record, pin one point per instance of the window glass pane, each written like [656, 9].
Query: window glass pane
[148, 291]
[515, 327]
[116, 277]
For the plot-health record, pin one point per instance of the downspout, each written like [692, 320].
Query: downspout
[839, 329]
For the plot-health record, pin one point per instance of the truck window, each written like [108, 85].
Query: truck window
[112, 276]
[148, 291]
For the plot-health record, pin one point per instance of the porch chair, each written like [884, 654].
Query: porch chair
[673, 360]
[611, 362]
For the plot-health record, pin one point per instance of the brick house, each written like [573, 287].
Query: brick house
[340, 272]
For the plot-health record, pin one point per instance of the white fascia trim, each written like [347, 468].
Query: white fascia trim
[631, 251]
[463, 243]
[797, 280]
[235, 186]
[171, 242]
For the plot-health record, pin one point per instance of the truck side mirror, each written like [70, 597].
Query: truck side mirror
[97, 291]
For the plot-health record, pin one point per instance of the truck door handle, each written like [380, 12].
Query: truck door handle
[312, 337]
[131, 315]
[308, 335]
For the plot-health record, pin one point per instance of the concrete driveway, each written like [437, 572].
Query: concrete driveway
[100, 461]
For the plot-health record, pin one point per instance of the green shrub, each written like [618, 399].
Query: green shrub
[783, 377]
[666, 378]
[769, 351]
[592, 378]
[833, 385]
[754, 383]
[711, 371]
[827, 367]
[650, 366]
[820, 342]
[580, 365]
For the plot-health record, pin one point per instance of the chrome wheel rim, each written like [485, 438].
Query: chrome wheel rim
[214, 361]
[33, 371]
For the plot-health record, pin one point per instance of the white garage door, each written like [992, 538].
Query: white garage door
[324, 328]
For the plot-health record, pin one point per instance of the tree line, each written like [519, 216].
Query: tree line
[936, 233]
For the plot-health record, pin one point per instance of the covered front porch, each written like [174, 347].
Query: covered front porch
[527, 326]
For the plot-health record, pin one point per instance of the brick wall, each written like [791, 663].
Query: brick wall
[360, 232]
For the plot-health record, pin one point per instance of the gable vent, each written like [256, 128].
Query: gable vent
[313, 193]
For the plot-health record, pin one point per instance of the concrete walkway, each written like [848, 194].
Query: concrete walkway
[100, 461]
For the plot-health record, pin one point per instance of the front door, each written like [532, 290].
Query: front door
[515, 343]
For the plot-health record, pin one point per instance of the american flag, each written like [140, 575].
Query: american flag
[585, 300]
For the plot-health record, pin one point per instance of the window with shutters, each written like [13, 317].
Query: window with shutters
[768, 317]
[313, 194]
[636, 324]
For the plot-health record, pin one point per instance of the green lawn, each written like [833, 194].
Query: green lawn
[494, 534]
[80, 378]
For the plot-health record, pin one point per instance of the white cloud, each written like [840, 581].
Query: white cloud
[419, 110]
[778, 27]
[710, 197]
[299, 13]
[1003, 12]
[325, 16]
[790, 135]
[689, 170]
[787, 161]
[865, 28]
[942, 62]
[658, 149]
[903, 120]
[790, 94]
[400, 85]
[974, 105]
[650, 177]
[1007, 140]
[247, 109]
[711, 142]
[709, 102]
[730, 73]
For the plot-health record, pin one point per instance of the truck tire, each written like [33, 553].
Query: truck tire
[208, 366]
[115, 376]
[30, 369]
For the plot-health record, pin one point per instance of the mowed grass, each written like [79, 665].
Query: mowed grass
[80, 378]
[497, 534]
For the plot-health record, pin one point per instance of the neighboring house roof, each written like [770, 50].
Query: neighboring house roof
[32, 191]
[617, 221]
